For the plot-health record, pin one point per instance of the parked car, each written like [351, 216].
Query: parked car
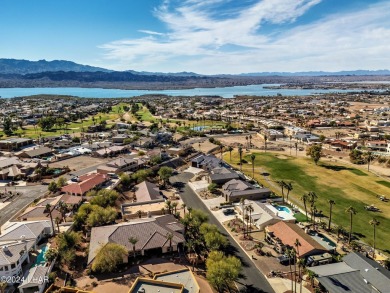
[228, 212]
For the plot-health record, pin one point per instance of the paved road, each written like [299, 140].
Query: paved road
[253, 280]
[29, 193]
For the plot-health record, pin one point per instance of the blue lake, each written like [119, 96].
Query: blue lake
[225, 92]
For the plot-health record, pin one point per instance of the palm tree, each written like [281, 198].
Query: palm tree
[282, 184]
[133, 241]
[253, 157]
[290, 255]
[242, 203]
[312, 199]
[331, 204]
[168, 205]
[249, 209]
[351, 210]
[49, 210]
[301, 266]
[247, 138]
[369, 156]
[305, 198]
[296, 149]
[340, 230]
[58, 220]
[169, 238]
[240, 153]
[265, 142]
[184, 208]
[250, 140]
[221, 150]
[374, 222]
[296, 244]
[174, 206]
[230, 149]
[289, 187]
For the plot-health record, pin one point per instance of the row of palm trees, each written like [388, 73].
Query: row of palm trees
[311, 198]
[248, 216]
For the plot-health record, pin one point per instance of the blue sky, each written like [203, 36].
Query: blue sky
[204, 36]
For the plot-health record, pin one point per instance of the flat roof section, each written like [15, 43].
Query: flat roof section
[184, 277]
[143, 285]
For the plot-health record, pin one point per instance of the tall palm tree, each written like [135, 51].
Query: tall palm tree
[331, 204]
[374, 222]
[339, 230]
[184, 208]
[253, 158]
[282, 184]
[288, 186]
[297, 243]
[58, 221]
[174, 206]
[49, 210]
[301, 266]
[250, 140]
[221, 150]
[242, 203]
[169, 238]
[133, 241]
[230, 149]
[240, 153]
[290, 255]
[247, 138]
[351, 211]
[249, 209]
[305, 199]
[369, 156]
[312, 199]
[265, 142]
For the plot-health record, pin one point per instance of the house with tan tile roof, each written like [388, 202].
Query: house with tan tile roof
[283, 234]
[151, 234]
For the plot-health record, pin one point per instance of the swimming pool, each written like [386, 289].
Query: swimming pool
[41, 256]
[284, 209]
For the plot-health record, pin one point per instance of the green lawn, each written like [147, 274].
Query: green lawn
[345, 185]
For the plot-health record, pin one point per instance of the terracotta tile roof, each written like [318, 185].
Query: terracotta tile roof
[88, 182]
[289, 232]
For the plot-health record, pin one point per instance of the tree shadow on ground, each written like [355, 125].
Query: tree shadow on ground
[336, 167]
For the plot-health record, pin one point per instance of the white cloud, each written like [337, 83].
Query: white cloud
[198, 40]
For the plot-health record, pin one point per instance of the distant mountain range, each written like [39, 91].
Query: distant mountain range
[25, 67]
[15, 66]
[320, 73]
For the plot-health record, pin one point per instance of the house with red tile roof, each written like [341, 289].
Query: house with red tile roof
[283, 234]
[86, 183]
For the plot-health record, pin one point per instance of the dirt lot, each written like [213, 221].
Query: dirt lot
[78, 163]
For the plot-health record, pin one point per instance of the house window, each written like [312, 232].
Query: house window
[6, 268]
[1, 269]
[13, 266]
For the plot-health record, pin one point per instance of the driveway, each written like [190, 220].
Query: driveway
[252, 280]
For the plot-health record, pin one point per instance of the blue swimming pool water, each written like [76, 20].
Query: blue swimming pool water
[41, 256]
[283, 209]
[326, 239]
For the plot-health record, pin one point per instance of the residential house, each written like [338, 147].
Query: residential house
[206, 162]
[234, 190]
[16, 242]
[147, 191]
[35, 280]
[221, 175]
[377, 145]
[14, 144]
[86, 183]
[150, 232]
[38, 152]
[283, 235]
[356, 273]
